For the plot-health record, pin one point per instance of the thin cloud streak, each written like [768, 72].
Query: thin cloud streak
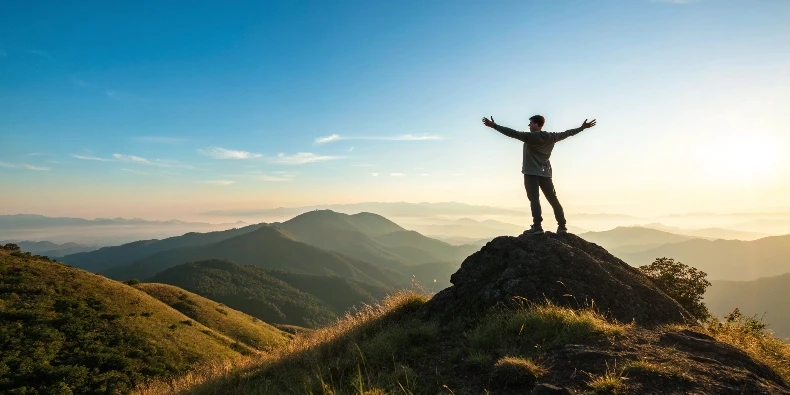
[397, 175]
[224, 153]
[96, 158]
[300, 158]
[142, 173]
[23, 166]
[403, 137]
[220, 182]
[37, 52]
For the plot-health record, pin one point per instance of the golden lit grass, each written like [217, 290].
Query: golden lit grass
[325, 359]
[530, 330]
[611, 382]
[749, 335]
[516, 370]
[236, 325]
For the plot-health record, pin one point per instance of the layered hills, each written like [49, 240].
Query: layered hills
[273, 296]
[65, 330]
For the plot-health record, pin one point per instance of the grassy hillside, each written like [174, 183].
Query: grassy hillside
[397, 348]
[725, 259]
[632, 238]
[272, 296]
[107, 258]
[64, 329]
[266, 247]
[238, 326]
[765, 296]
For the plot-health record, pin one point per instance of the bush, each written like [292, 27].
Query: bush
[133, 281]
[681, 282]
[11, 247]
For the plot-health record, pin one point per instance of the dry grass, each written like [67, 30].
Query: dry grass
[611, 382]
[539, 327]
[320, 361]
[643, 367]
[749, 335]
[516, 370]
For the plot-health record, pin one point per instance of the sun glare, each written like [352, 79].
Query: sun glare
[737, 160]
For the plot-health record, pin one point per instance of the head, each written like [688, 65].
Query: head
[536, 123]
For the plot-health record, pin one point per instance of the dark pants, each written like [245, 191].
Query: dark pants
[534, 184]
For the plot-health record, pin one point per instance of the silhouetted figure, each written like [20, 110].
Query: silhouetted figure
[537, 168]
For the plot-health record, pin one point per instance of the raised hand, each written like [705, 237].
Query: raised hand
[489, 122]
[587, 125]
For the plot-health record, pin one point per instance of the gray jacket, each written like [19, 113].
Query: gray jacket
[537, 148]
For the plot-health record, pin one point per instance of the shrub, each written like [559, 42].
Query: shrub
[133, 281]
[681, 282]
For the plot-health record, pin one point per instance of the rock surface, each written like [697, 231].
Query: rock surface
[563, 269]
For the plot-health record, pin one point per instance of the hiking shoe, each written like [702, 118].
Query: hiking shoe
[562, 230]
[533, 230]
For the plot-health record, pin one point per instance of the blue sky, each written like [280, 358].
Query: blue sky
[167, 110]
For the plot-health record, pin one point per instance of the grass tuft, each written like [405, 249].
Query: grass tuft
[611, 382]
[530, 330]
[516, 370]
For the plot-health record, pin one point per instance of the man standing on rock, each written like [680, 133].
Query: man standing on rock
[537, 168]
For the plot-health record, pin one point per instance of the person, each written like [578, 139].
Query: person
[536, 166]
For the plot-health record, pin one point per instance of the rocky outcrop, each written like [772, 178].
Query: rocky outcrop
[562, 269]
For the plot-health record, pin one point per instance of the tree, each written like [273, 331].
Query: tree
[683, 283]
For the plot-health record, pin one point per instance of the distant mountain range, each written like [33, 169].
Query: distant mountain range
[32, 221]
[632, 237]
[724, 259]
[398, 209]
[709, 233]
[765, 297]
[107, 258]
[52, 250]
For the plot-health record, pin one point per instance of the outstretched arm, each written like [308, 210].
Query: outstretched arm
[522, 136]
[555, 137]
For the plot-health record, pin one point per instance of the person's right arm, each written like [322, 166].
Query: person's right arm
[529, 138]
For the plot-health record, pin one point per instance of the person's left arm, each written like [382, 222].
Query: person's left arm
[556, 137]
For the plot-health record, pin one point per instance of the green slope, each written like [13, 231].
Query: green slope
[273, 296]
[107, 258]
[236, 325]
[64, 329]
[269, 248]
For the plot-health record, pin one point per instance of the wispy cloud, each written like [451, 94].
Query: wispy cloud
[220, 182]
[402, 137]
[397, 175]
[96, 158]
[155, 163]
[23, 166]
[142, 173]
[363, 165]
[37, 52]
[158, 139]
[374, 174]
[327, 139]
[268, 178]
[300, 158]
[223, 153]
[351, 149]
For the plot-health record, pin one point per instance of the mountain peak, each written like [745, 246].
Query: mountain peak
[562, 269]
